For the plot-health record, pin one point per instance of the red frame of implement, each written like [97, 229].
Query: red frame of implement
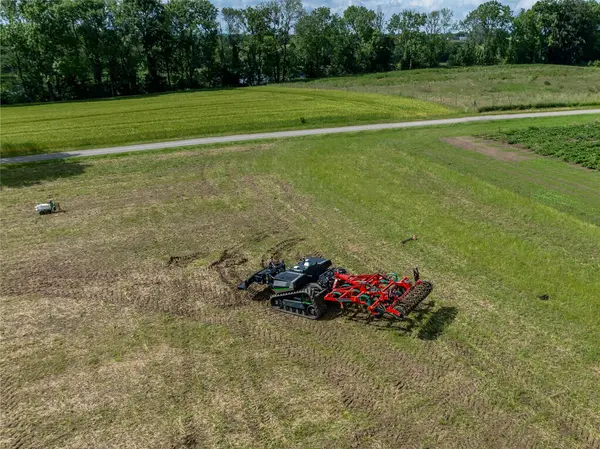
[379, 293]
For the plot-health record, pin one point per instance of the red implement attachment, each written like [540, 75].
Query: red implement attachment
[378, 293]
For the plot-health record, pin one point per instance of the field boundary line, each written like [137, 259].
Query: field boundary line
[284, 134]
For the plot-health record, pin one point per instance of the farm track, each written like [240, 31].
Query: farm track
[284, 134]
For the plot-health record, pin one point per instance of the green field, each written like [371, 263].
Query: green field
[107, 344]
[576, 144]
[61, 126]
[479, 89]
[381, 97]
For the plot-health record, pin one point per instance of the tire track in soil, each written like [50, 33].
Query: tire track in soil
[255, 413]
[182, 261]
[378, 394]
[374, 388]
[225, 267]
[191, 435]
[358, 396]
[360, 390]
[276, 251]
[15, 432]
[349, 377]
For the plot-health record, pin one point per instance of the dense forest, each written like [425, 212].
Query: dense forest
[75, 49]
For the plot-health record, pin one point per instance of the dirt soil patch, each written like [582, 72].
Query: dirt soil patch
[496, 150]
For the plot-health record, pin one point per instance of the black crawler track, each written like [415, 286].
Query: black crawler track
[288, 302]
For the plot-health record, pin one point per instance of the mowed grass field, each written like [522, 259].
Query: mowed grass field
[61, 126]
[480, 89]
[122, 326]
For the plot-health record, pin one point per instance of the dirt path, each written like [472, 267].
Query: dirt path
[283, 134]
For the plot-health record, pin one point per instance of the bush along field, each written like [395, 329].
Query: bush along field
[123, 326]
[577, 144]
[481, 89]
[60, 126]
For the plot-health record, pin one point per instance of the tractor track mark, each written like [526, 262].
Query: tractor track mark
[360, 390]
[180, 293]
[14, 430]
[394, 365]
[190, 436]
[417, 374]
[255, 412]
[225, 267]
[344, 374]
[276, 252]
[182, 261]
[570, 427]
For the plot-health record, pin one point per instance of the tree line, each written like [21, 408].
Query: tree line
[76, 49]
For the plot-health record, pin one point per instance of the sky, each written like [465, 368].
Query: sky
[389, 7]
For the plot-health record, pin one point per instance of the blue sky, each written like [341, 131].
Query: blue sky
[389, 7]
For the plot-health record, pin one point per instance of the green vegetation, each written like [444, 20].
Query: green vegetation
[112, 345]
[577, 144]
[78, 49]
[481, 89]
[60, 126]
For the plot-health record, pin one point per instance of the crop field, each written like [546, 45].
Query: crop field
[122, 326]
[62, 126]
[480, 89]
[576, 144]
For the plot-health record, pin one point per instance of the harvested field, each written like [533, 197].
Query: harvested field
[122, 325]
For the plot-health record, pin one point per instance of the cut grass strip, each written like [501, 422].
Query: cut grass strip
[61, 126]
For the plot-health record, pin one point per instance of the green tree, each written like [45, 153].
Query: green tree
[145, 20]
[193, 40]
[256, 22]
[315, 41]
[568, 30]
[366, 40]
[70, 49]
[283, 16]
[438, 25]
[410, 38]
[489, 27]
[525, 41]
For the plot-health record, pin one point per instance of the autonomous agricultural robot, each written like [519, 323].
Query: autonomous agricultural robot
[309, 286]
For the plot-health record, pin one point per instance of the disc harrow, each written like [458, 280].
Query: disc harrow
[379, 294]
